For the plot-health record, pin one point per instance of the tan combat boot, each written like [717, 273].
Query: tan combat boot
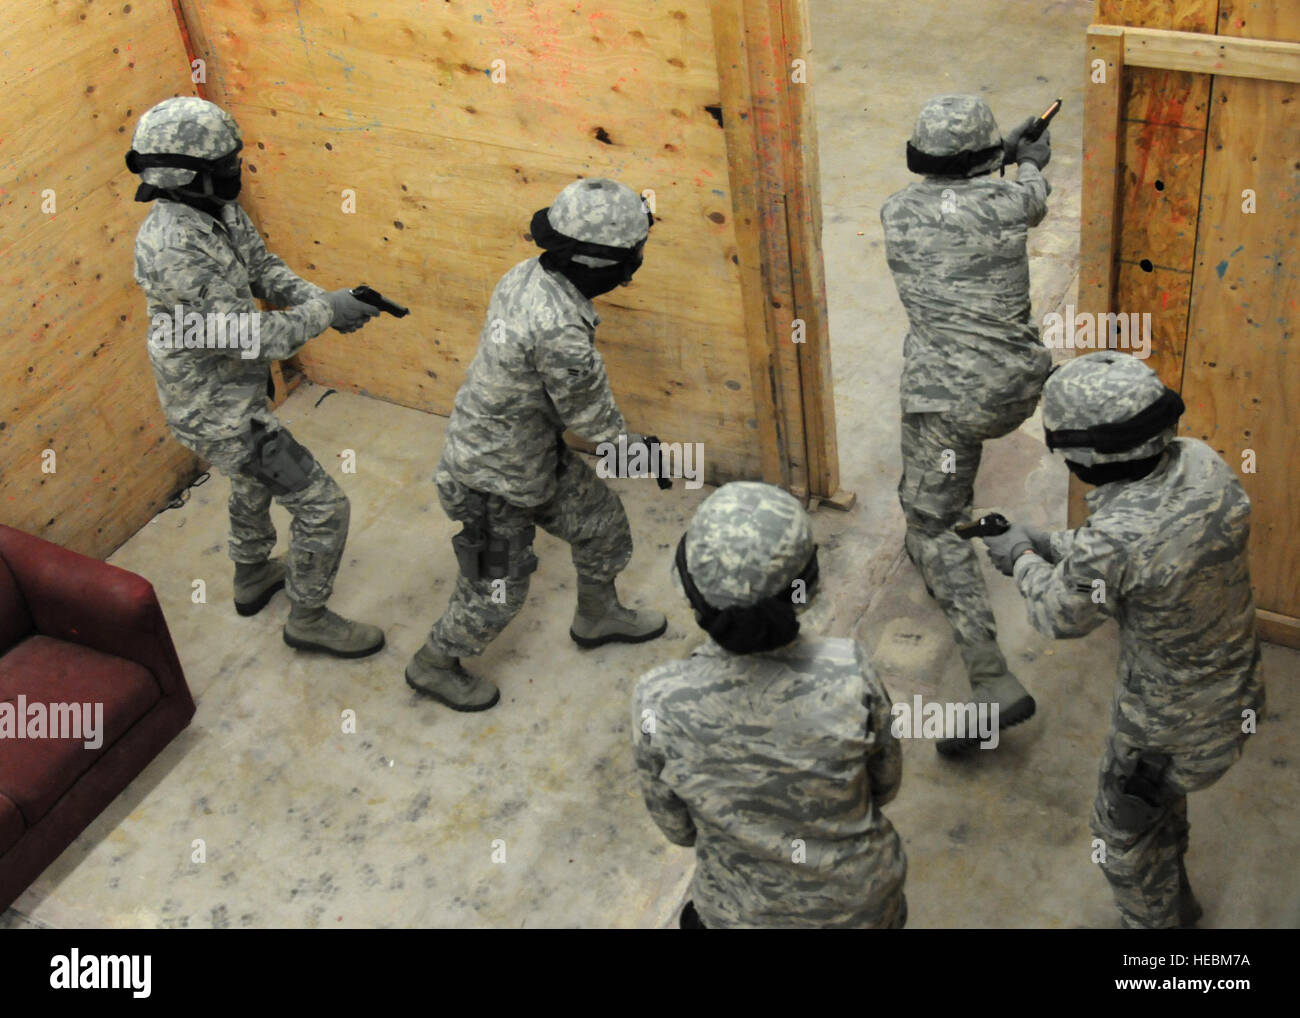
[991, 682]
[437, 675]
[600, 619]
[256, 583]
[321, 629]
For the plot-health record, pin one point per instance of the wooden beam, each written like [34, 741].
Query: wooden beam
[1211, 54]
[1276, 628]
[1101, 128]
[739, 126]
[807, 274]
[1098, 231]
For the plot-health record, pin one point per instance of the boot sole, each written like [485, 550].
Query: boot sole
[247, 608]
[298, 644]
[463, 708]
[588, 642]
[1020, 711]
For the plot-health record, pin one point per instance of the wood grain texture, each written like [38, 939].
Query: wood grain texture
[76, 377]
[448, 165]
[1265, 59]
[1283, 629]
[808, 277]
[739, 123]
[1151, 238]
[764, 45]
[1242, 374]
[1223, 295]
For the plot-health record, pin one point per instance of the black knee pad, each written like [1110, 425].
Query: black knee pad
[277, 460]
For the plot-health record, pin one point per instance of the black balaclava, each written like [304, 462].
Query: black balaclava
[591, 281]
[1105, 473]
[747, 629]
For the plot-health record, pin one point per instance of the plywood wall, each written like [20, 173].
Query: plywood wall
[1220, 281]
[1241, 380]
[76, 381]
[1163, 134]
[395, 101]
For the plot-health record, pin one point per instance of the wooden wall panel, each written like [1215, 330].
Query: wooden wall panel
[447, 165]
[1242, 376]
[1164, 125]
[1217, 276]
[76, 376]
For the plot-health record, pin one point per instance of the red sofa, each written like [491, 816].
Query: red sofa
[74, 630]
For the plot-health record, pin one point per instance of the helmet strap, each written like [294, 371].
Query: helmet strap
[958, 164]
[1121, 436]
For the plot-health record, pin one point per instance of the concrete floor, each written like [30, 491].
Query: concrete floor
[395, 825]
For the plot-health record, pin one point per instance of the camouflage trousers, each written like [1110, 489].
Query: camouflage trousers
[941, 456]
[317, 533]
[583, 512]
[1143, 858]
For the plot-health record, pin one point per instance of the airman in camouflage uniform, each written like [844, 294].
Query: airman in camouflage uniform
[506, 470]
[769, 751]
[1163, 552]
[198, 254]
[973, 362]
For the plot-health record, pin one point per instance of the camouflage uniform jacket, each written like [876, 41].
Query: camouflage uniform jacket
[536, 373]
[1170, 550]
[957, 251]
[186, 258]
[775, 766]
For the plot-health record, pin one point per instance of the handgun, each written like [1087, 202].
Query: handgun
[986, 526]
[376, 299]
[651, 441]
[1040, 125]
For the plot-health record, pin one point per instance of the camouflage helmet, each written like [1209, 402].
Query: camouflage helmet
[746, 542]
[600, 211]
[183, 126]
[957, 136]
[1108, 407]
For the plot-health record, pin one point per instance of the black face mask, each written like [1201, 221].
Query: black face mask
[1106, 473]
[559, 250]
[590, 280]
[226, 186]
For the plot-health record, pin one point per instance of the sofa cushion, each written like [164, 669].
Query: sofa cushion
[15, 619]
[34, 772]
[11, 824]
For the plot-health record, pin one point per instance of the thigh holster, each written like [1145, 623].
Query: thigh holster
[483, 555]
[277, 460]
[1141, 795]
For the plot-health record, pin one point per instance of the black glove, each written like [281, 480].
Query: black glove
[1012, 139]
[1038, 152]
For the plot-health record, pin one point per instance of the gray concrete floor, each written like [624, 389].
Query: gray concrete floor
[397, 824]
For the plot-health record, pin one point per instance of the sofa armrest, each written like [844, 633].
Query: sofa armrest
[81, 600]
